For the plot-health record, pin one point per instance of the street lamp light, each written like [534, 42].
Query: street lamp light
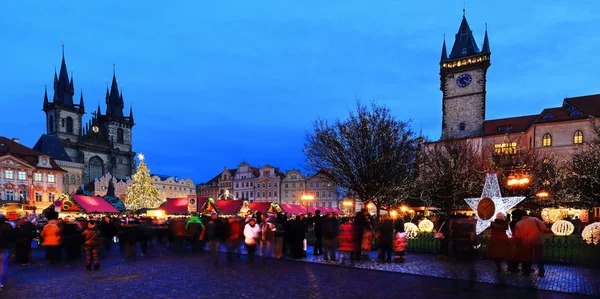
[307, 198]
[348, 204]
[542, 194]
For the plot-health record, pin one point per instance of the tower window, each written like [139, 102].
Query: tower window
[463, 30]
[464, 52]
[578, 137]
[547, 140]
[461, 126]
[69, 125]
[120, 135]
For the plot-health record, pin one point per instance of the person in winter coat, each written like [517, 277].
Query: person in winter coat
[318, 229]
[6, 237]
[251, 238]
[385, 237]
[530, 231]
[499, 245]
[108, 231]
[92, 240]
[195, 229]
[349, 242]
[235, 228]
[329, 231]
[216, 234]
[268, 229]
[71, 238]
[24, 234]
[51, 237]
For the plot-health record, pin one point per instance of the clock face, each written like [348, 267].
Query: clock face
[44, 161]
[95, 129]
[464, 80]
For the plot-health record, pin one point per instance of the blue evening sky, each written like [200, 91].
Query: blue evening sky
[214, 83]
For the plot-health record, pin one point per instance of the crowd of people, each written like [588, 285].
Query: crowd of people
[268, 235]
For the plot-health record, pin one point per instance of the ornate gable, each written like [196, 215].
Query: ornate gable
[14, 162]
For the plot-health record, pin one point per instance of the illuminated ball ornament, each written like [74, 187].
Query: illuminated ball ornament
[426, 226]
[411, 230]
[591, 233]
[563, 228]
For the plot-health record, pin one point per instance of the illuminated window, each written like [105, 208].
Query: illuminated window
[51, 178]
[37, 177]
[22, 176]
[578, 137]
[9, 174]
[547, 140]
[505, 148]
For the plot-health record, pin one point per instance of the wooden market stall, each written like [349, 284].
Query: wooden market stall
[175, 206]
[69, 204]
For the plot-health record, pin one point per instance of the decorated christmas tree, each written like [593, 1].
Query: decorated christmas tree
[142, 193]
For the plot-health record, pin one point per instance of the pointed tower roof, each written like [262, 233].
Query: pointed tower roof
[98, 112]
[444, 53]
[81, 104]
[63, 91]
[45, 98]
[464, 43]
[114, 104]
[486, 42]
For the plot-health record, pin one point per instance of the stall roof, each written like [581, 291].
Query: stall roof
[262, 207]
[175, 206]
[293, 209]
[94, 204]
[229, 207]
[201, 201]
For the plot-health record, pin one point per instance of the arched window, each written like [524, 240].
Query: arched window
[51, 124]
[578, 137]
[95, 168]
[119, 135]
[69, 125]
[547, 140]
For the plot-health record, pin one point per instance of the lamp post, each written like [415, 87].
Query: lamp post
[307, 198]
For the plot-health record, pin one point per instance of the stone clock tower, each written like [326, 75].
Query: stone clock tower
[463, 83]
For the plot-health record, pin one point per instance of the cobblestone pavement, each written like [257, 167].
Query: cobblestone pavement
[171, 276]
[558, 277]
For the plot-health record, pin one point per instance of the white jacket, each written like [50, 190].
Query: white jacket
[251, 234]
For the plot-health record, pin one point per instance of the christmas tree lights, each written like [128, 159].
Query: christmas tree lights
[142, 193]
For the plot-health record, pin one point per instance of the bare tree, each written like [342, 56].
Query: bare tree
[370, 153]
[449, 172]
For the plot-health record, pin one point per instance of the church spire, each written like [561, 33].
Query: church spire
[63, 88]
[486, 42]
[444, 53]
[131, 114]
[45, 98]
[81, 105]
[98, 112]
[114, 105]
[464, 42]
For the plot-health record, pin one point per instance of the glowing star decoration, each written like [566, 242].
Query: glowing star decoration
[411, 230]
[141, 156]
[426, 226]
[491, 203]
[563, 228]
[591, 233]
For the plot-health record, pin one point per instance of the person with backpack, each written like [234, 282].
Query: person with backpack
[329, 231]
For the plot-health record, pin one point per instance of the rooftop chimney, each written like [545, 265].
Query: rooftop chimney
[16, 140]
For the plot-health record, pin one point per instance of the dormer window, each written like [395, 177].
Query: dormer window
[576, 113]
[570, 109]
[505, 128]
[548, 116]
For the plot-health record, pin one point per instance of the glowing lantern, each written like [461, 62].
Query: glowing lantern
[394, 214]
[426, 225]
[512, 182]
[524, 181]
[563, 228]
[411, 230]
[591, 233]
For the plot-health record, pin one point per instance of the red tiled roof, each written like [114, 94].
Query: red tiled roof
[229, 207]
[516, 124]
[262, 207]
[588, 105]
[559, 114]
[175, 206]
[7, 146]
[94, 204]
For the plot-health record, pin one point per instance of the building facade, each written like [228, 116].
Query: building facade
[292, 187]
[173, 187]
[28, 178]
[244, 180]
[268, 184]
[102, 144]
[209, 189]
[325, 193]
[99, 187]
[226, 184]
